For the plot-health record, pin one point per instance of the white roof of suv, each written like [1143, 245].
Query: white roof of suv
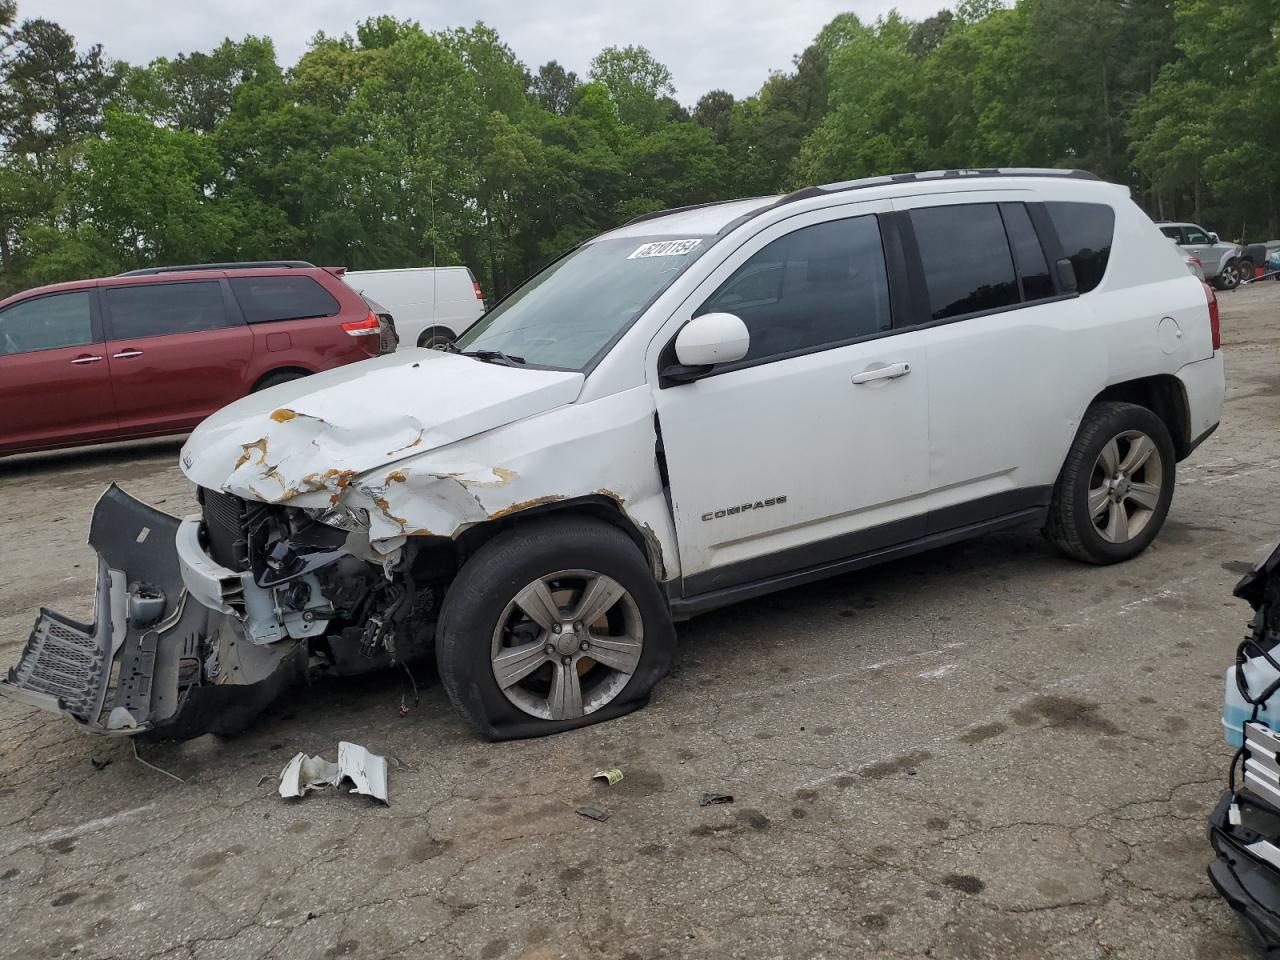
[713, 218]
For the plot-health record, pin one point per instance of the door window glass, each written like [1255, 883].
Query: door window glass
[1085, 230]
[46, 323]
[1173, 233]
[264, 299]
[1028, 255]
[163, 309]
[1195, 235]
[821, 285]
[967, 264]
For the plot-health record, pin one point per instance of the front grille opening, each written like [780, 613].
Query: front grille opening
[224, 528]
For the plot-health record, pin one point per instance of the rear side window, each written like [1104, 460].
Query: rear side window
[1028, 255]
[820, 285]
[46, 323]
[264, 299]
[1173, 233]
[165, 309]
[1085, 231]
[967, 264]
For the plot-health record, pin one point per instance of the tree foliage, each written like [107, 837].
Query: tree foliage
[399, 146]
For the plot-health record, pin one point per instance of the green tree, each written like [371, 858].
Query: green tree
[636, 82]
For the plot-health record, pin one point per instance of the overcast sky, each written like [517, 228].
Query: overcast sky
[729, 44]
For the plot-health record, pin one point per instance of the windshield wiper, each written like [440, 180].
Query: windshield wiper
[494, 356]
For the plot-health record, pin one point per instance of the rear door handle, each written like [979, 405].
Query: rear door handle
[86, 359]
[126, 354]
[889, 372]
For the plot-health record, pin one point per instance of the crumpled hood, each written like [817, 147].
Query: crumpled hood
[316, 434]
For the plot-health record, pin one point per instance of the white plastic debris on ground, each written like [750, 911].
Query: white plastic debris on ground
[367, 771]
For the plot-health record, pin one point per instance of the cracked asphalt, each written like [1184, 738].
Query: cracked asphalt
[984, 751]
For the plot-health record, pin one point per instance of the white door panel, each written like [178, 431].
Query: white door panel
[1005, 392]
[797, 461]
[845, 456]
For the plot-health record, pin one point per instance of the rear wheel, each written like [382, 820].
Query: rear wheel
[1115, 488]
[551, 626]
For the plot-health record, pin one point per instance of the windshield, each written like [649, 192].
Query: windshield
[569, 312]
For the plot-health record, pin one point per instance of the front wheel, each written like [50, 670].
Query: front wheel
[1115, 488]
[550, 626]
[1229, 278]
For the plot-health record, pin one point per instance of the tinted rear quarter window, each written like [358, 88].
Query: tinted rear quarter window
[264, 299]
[1028, 255]
[46, 323]
[1085, 231]
[967, 264]
[165, 309]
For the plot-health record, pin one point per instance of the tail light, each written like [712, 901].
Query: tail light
[475, 285]
[368, 327]
[1215, 327]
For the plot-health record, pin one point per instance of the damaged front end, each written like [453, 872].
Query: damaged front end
[1244, 828]
[200, 623]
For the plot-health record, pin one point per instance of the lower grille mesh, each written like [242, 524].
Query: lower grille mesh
[224, 526]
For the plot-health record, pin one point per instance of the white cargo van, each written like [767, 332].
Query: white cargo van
[432, 306]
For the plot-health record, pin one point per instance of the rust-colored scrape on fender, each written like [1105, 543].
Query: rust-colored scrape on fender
[283, 415]
[385, 506]
[260, 446]
[525, 505]
[396, 476]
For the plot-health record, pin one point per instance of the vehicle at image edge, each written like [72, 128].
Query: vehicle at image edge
[1244, 827]
[701, 406]
[433, 306]
[1224, 264]
[154, 352]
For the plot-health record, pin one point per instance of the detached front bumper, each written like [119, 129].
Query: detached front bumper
[160, 660]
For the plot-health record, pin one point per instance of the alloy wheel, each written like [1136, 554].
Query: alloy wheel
[567, 644]
[1125, 486]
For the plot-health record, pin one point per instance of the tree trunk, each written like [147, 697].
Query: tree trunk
[1196, 201]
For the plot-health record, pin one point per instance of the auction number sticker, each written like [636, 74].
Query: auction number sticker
[664, 248]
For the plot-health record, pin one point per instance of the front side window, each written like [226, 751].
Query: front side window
[264, 299]
[1085, 231]
[164, 309]
[577, 306]
[968, 267]
[821, 285]
[47, 323]
[1196, 235]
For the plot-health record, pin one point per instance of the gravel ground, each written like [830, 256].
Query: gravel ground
[984, 751]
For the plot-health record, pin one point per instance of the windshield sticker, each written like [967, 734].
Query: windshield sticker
[664, 248]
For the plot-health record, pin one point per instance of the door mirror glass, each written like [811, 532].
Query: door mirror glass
[712, 338]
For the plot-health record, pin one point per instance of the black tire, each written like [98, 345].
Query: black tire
[1229, 278]
[434, 339]
[491, 579]
[275, 379]
[1070, 525]
[1244, 270]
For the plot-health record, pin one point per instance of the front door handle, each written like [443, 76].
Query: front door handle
[126, 354]
[86, 359]
[889, 372]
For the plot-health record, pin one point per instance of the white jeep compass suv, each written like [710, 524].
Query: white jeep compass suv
[701, 406]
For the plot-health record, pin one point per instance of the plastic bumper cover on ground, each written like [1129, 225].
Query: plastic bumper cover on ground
[159, 660]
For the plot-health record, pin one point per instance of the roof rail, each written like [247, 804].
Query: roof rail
[972, 173]
[238, 265]
[654, 214]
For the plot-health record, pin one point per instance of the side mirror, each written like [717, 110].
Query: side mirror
[1067, 276]
[1213, 238]
[712, 338]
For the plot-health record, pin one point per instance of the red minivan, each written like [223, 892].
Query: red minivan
[154, 352]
